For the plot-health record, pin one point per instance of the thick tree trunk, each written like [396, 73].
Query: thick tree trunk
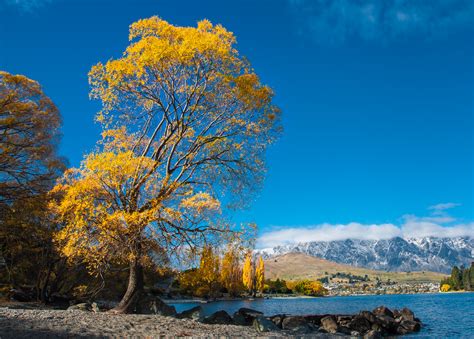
[134, 290]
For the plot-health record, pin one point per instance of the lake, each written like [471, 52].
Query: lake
[444, 315]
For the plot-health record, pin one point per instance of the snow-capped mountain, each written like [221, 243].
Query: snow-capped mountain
[396, 254]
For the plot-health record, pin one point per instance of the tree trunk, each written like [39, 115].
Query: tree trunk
[134, 290]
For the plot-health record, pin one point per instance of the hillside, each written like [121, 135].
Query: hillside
[293, 266]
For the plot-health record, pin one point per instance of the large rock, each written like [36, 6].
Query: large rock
[194, 313]
[360, 324]
[295, 324]
[407, 314]
[368, 315]
[383, 311]
[344, 320]
[262, 324]
[246, 316]
[278, 319]
[329, 324]
[408, 326]
[219, 317]
[153, 305]
[388, 324]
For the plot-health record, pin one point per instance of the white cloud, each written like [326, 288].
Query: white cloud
[443, 206]
[337, 20]
[412, 226]
[328, 232]
[428, 229]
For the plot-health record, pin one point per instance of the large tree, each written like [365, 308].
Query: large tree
[29, 166]
[29, 133]
[186, 125]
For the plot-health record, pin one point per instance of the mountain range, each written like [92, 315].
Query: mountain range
[396, 254]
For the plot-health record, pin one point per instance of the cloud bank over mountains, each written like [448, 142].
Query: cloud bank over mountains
[437, 224]
[337, 20]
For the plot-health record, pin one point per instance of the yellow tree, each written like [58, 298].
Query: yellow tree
[260, 275]
[231, 272]
[248, 273]
[186, 123]
[209, 270]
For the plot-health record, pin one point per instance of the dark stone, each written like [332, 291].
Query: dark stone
[377, 327]
[329, 324]
[387, 323]
[360, 324]
[219, 317]
[239, 319]
[314, 319]
[245, 316]
[249, 312]
[369, 316]
[153, 305]
[383, 311]
[262, 324]
[295, 323]
[277, 319]
[344, 330]
[408, 326]
[344, 320]
[194, 313]
[372, 334]
[407, 314]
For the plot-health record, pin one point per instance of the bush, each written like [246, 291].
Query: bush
[307, 287]
[445, 288]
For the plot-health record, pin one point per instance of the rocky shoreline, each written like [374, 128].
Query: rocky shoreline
[88, 320]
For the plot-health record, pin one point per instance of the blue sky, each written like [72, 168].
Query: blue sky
[377, 98]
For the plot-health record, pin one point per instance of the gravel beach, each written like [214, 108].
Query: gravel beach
[20, 323]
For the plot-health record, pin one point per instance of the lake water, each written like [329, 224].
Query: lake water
[447, 315]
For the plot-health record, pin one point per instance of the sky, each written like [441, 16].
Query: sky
[377, 99]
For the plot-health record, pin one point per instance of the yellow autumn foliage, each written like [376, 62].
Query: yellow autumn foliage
[186, 123]
[260, 275]
[248, 273]
[445, 288]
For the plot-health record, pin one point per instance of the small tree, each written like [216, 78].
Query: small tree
[209, 271]
[248, 274]
[260, 275]
[231, 272]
